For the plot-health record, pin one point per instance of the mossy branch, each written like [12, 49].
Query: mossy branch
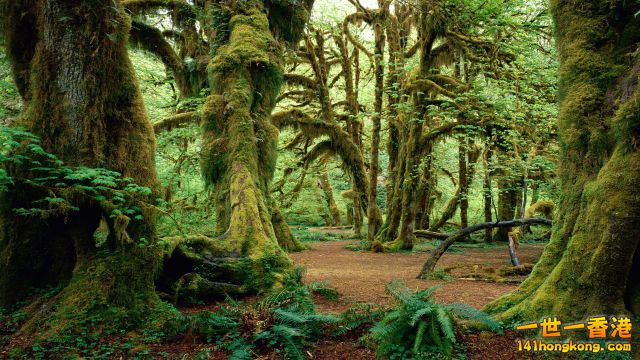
[428, 234]
[412, 50]
[175, 121]
[354, 19]
[150, 39]
[429, 86]
[297, 95]
[444, 130]
[351, 157]
[137, 6]
[301, 80]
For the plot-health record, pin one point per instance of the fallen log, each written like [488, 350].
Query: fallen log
[428, 234]
[430, 264]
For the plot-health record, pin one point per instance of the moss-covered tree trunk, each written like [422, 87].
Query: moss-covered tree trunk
[373, 215]
[590, 266]
[463, 180]
[396, 41]
[487, 193]
[507, 205]
[327, 190]
[401, 221]
[239, 151]
[424, 193]
[83, 102]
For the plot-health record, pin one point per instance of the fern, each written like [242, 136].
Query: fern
[357, 317]
[417, 325]
[64, 188]
[240, 349]
[466, 312]
[284, 320]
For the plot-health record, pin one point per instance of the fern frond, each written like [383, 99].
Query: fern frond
[419, 314]
[399, 291]
[240, 350]
[445, 324]
[467, 312]
[290, 317]
[426, 294]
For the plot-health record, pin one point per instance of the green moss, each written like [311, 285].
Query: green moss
[287, 18]
[586, 267]
[93, 118]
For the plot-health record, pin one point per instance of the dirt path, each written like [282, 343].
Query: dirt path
[361, 276]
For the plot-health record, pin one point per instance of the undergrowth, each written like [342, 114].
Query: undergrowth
[420, 328]
[284, 321]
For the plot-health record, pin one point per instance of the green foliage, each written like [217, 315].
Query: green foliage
[419, 326]
[307, 235]
[284, 321]
[358, 317]
[64, 187]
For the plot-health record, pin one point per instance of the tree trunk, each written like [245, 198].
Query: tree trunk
[389, 229]
[373, 214]
[590, 265]
[464, 183]
[487, 193]
[424, 194]
[239, 140]
[430, 14]
[507, 205]
[405, 238]
[85, 105]
[455, 200]
[351, 78]
[325, 185]
[285, 238]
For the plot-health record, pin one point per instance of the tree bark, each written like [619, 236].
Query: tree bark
[240, 141]
[84, 104]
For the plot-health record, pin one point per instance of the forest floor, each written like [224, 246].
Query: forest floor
[360, 277]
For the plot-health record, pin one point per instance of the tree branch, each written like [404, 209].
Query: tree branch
[174, 121]
[428, 234]
[430, 264]
[150, 39]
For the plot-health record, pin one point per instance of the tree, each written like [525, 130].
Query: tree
[592, 262]
[82, 99]
[239, 140]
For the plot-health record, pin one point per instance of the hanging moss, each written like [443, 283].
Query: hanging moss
[287, 18]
